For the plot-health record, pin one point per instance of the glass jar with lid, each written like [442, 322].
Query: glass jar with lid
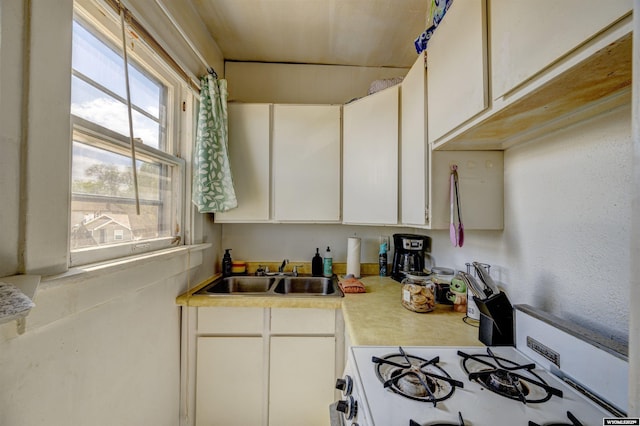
[418, 292]
[441, 277]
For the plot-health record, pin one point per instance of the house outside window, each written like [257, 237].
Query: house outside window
[104, 223]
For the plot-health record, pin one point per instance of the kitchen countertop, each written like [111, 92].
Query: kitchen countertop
[376, 317]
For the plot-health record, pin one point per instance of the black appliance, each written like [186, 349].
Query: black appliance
[408, 255]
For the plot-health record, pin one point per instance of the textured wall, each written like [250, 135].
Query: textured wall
[565, 246]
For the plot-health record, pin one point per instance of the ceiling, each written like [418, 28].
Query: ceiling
[377, 33]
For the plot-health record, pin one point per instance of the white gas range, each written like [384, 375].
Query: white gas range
[528, 384]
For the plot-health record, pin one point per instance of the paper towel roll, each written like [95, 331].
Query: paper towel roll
[353, 256]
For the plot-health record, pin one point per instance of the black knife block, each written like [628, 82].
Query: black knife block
[496, 320]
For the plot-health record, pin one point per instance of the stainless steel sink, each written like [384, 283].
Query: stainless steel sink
[306, 285]
[274, 286]
[239, 285]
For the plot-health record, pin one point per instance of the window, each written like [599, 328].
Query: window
[104, 223]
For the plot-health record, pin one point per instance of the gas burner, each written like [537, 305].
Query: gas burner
[507, 378]
[574, 422]
[459, 423]
[504, 382]
[415, 378]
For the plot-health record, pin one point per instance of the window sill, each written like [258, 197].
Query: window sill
[83, 288]
[102, 268]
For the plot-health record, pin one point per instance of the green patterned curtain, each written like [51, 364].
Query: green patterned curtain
[212, 183]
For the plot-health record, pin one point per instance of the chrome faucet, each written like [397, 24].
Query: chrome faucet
[284, 263]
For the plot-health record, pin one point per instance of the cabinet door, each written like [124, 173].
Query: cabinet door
[528, 36]
[230, 320]
[249, 155]
[457, 68]
[370, 159]
[306, 163]
[229, 381]
[303, 321]
[413, 146]
[302, 373]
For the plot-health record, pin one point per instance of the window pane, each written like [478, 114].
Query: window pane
[146, 94]
[104, 66]
[100, 108]
[103, 206]
[97, 61]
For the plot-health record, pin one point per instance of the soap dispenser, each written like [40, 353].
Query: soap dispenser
[327, 264]
[226, 263]
[316, 264]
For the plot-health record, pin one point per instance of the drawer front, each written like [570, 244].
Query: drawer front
[230, 320]
[303, 321]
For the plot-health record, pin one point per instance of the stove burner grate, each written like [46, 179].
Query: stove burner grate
[507, 378]
[570, 416]
[414, 377]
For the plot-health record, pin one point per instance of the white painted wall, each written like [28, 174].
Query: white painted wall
[11, 70]
[99, 350]
[565, 244]
[101, 347]
[634, 323]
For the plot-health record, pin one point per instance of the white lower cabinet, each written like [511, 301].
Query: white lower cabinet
[261, 366]
[229, 388]
[302, 375]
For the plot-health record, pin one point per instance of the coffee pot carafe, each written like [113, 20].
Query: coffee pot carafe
[409, 254]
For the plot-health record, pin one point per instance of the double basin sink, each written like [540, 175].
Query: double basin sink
[276, 286]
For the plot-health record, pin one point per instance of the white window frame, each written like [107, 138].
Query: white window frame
[107, 26]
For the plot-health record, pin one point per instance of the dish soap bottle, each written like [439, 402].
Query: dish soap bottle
[327, 265]
[382, 259]
[226, 263]
[316, 264]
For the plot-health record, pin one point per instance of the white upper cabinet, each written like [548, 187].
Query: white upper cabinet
[249, 154]
[528, 36]
[370, 159]
[414, 149]
[457, 66]
[553, 63]
[285, 164]
[306, 163]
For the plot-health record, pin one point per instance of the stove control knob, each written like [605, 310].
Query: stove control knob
[345, 385]
[349, 407]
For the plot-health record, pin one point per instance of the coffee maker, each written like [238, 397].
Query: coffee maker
[408, 255]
